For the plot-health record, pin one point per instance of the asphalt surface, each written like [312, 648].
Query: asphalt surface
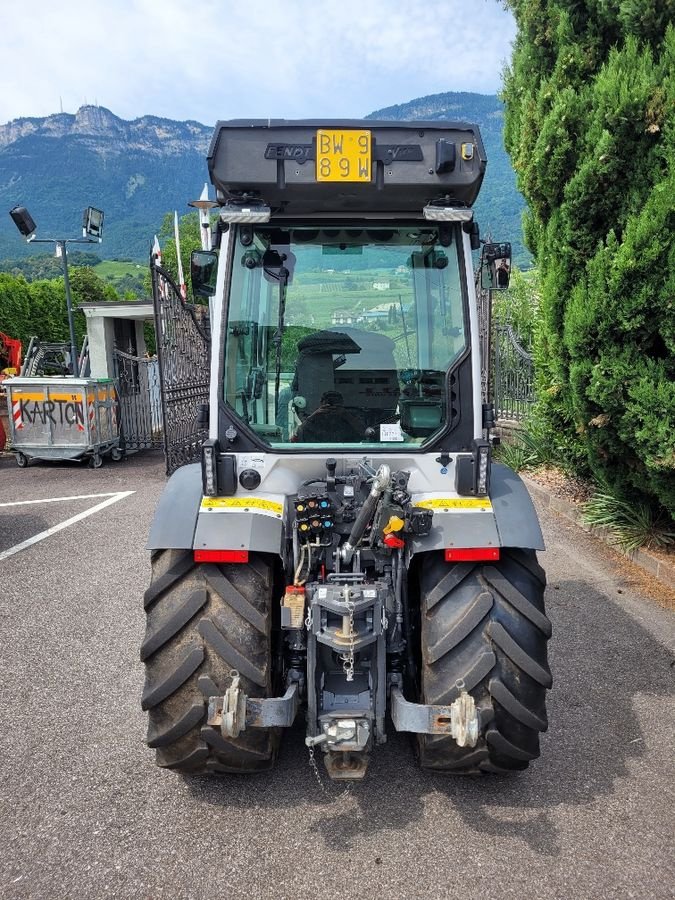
[85, 813]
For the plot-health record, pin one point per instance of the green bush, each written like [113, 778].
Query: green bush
[519, 306]
[631, 524]
[590, 126]
[39, 308]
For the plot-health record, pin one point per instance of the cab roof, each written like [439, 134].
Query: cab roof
[374, 166]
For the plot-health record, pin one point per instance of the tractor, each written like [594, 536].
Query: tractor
[345, 549]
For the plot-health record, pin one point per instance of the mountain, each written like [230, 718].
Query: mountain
[499, 206]
[137, 171]
[134, 171]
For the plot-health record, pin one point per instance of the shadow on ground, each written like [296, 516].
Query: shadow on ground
[601, 659]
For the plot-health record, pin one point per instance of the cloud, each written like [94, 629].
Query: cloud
[218, 59]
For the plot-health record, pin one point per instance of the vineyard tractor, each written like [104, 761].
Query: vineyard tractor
[346, 553]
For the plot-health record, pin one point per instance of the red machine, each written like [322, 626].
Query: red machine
[10, 354]
[10, 358]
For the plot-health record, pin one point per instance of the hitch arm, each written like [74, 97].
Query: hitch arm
[459, 720]
[235, 712]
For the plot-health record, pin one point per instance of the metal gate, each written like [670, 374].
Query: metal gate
[513, 375]
[183, 348]
[140, 401]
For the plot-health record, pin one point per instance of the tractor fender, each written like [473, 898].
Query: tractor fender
[509, 520]
[515, 516]
[175, 521]
[186, 520]
[243, 522]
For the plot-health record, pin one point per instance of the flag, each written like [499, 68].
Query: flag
[181, 277]
[156, 252]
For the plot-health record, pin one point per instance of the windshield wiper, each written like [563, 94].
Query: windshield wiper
[279, 333]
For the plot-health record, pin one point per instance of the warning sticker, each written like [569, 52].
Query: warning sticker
[456, 504]
[244, 504]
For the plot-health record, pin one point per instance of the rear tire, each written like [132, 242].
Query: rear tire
[202, 622]
[485, 624]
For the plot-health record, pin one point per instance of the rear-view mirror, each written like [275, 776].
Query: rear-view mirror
[495, 268]
[203, 271]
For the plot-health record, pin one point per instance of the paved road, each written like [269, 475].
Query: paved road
[84, 812]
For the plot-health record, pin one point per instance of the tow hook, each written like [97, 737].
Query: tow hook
[342, 734]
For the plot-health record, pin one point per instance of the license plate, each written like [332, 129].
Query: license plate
[343, 155]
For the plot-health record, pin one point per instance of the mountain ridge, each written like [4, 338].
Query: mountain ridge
[98, 121]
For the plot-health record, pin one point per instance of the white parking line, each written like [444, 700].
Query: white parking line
[58, 499]
[112, 498]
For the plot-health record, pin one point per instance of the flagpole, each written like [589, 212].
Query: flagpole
[181, 277]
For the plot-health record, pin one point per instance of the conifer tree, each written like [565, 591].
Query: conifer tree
[590, 127]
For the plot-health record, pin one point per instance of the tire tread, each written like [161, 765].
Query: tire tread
[202, 622]
[486, 624]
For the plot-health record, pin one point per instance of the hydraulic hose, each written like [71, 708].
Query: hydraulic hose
[380, 484]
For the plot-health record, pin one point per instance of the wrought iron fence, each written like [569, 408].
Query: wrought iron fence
[483, 298]
[507, 368]
[140, 401]
[513, 375]
[183, 347]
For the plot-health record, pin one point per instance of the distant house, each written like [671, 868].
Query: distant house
[380, 285]
[371, 315]
[342, 318]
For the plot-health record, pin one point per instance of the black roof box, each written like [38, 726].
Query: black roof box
[412, 164]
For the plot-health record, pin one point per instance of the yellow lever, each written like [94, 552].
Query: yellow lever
[394, 524]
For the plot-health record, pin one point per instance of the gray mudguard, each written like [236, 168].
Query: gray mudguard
[514, 512]
[506, 519]
[239, 529]
[183, 522]
[176, 515]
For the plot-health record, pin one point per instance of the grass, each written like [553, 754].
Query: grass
[631, 524]
[530, 447]
[113, 270]
[514, 455]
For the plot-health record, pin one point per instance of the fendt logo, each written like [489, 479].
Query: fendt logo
[401, 153]
[297, 152]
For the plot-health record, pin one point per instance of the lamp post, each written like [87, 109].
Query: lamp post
[92, 231]
[204, 205]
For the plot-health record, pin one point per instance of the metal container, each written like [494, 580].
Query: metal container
[63, 418]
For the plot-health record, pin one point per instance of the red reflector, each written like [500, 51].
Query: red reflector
[472, 554]
[221, 556]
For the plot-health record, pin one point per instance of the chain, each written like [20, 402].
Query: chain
[314, 767]
[348, 658]
[346, 791]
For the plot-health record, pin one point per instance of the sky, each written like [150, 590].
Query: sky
[220, 59]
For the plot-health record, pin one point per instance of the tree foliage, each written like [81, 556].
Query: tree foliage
[188, 230]
[38, 308]
[519, 305]
[590, 126]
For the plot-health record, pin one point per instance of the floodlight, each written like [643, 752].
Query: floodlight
[23, 221]
[92, 223]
